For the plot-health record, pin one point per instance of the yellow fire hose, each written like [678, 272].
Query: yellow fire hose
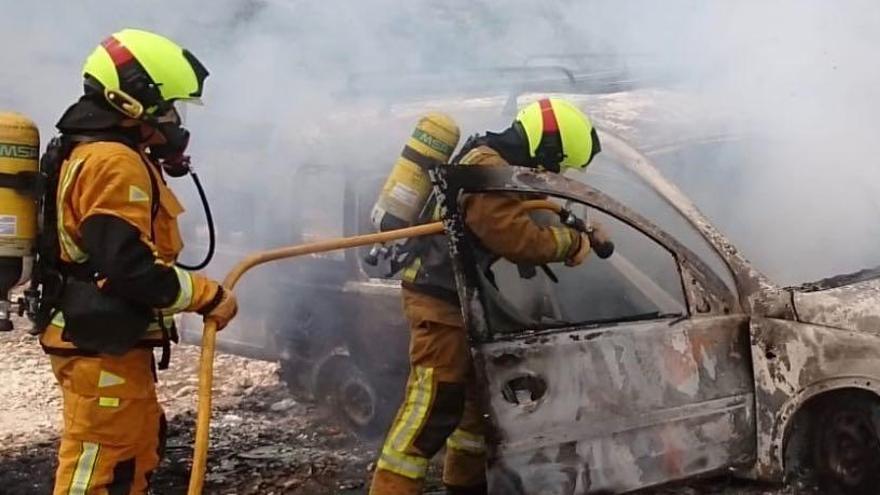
[209, 334]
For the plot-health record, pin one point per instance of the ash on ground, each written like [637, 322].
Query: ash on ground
[263, 441]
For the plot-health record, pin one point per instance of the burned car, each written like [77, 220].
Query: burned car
[332, 321]
[672, 359]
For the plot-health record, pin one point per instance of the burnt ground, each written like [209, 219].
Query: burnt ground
[263, 441]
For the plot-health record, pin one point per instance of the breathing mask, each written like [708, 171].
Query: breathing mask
[170, 155]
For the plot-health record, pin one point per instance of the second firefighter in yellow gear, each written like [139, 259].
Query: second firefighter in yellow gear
[441, 408]
[118, 241]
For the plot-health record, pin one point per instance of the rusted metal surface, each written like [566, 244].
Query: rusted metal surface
[794, 362]
[831, 343]
[616, 407]
[623, 406]
[620, 407]
[850, 307]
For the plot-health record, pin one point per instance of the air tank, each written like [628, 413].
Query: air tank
[19, 163]
[408, 186]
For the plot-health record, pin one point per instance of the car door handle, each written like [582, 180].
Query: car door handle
[524, 389]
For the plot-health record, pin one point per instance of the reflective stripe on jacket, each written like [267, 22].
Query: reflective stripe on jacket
[107, 219]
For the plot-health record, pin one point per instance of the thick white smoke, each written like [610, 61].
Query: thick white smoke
[794, 80]
[798, 192]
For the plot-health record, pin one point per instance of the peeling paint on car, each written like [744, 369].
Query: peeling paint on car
[849, 307]
[793, 362]
[619, 406]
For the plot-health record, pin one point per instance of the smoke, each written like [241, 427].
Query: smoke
[295, 84]
[797, 190]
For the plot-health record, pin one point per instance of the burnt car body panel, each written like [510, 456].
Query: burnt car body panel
[848, 307]
[795, 362]
[624, 405]
[681, 404]
[620, 406]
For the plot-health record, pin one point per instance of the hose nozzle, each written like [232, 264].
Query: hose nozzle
[603, 250]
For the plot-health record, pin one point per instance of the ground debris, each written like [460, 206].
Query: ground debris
[262, 440]
[283, 405]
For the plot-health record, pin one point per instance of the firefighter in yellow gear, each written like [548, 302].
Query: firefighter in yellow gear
[118, 241]
[440, 407]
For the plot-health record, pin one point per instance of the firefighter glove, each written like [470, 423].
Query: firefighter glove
[222, 308]
[579, 251]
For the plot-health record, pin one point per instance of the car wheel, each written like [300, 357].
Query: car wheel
[846, 447]
[304, 335]
[356, 400]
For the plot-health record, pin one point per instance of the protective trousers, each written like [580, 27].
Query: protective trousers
[114, 429]
[440, 407]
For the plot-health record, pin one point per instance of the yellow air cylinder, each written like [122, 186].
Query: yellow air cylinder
[19, 152]
[408, 186]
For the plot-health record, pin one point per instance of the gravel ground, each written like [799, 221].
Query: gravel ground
[263, 441]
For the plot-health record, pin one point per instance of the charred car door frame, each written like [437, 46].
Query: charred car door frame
[705, 292]
[682, 406]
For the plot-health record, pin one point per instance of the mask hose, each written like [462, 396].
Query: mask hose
[209, 219]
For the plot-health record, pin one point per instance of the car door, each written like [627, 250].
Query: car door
[624, 373]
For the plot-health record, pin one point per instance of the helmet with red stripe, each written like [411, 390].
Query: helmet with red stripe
[559, 135]
[142, 73]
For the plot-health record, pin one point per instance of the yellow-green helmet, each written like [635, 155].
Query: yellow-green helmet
[140, 72]
[559, 134]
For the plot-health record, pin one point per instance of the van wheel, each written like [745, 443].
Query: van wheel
[304, 334]
[355, 400]
[846, 452]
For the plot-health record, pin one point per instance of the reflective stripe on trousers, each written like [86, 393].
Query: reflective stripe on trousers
[113, 424]
[465, 441]
[411, 466]
[418, 400]
[85, 465]
[395, 455]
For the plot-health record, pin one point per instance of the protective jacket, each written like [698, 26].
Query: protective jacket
[501, 227]
[441, 406]
[117, 228]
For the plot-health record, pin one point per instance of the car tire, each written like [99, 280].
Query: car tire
[355, 399]
[304, 335]
[845, 445]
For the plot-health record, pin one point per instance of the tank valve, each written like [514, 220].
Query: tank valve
[376, 252]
